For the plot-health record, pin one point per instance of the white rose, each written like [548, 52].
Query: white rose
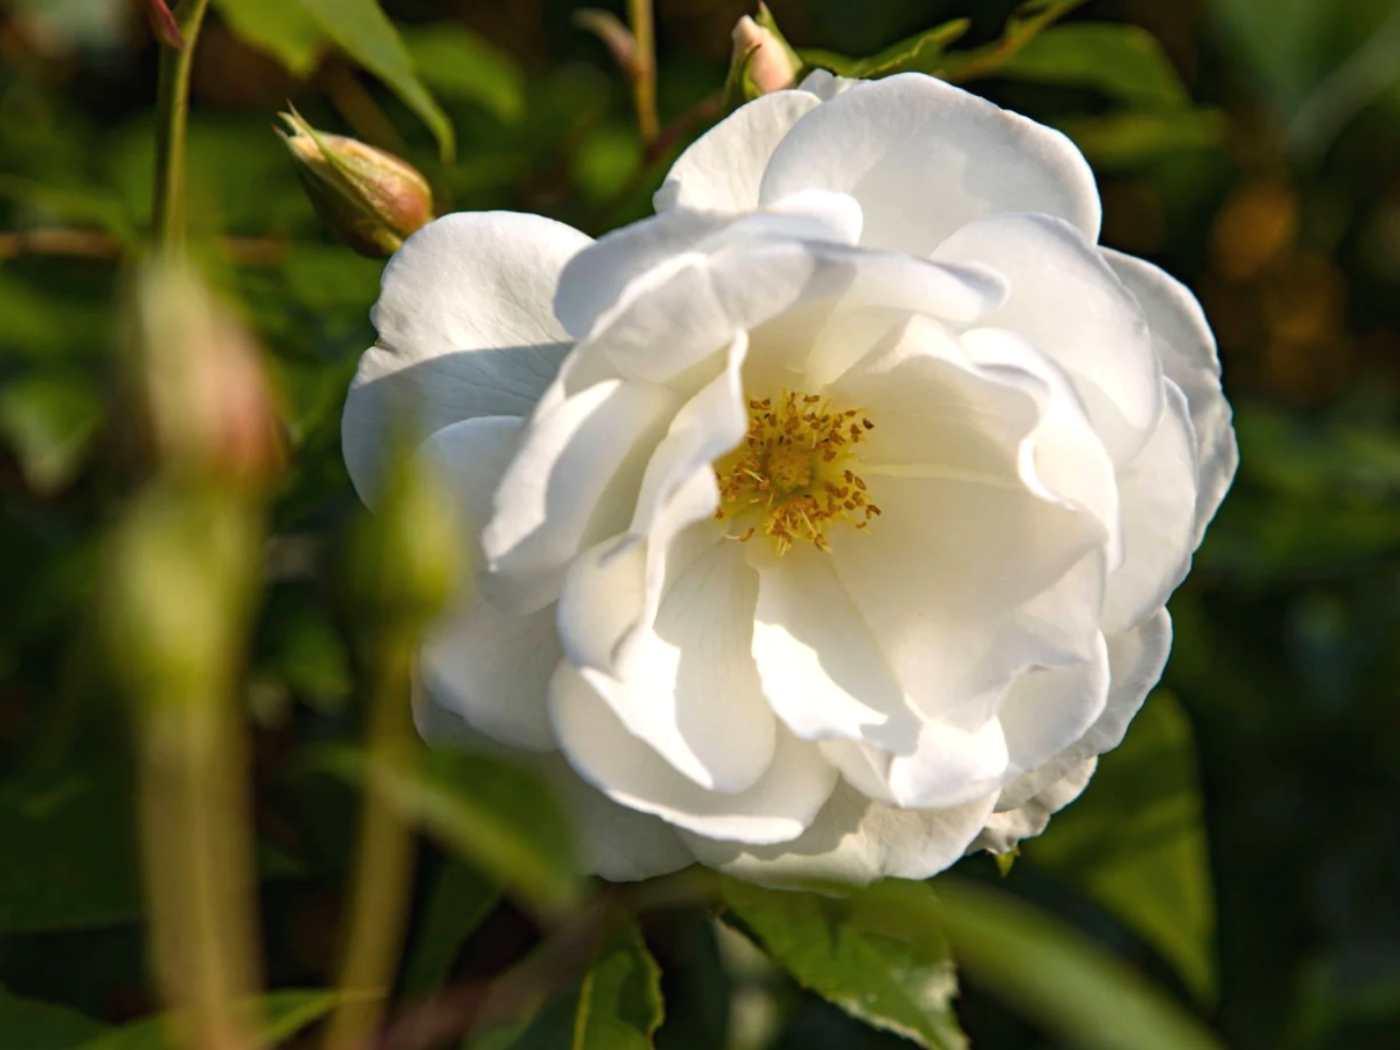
[827, 518]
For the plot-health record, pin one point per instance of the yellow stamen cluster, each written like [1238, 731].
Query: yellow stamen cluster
[791, 477]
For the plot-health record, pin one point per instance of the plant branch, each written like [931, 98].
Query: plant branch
[644, 68]
[172, 118]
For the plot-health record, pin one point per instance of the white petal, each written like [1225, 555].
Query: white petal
[493, 669]
[616, 588]
[595, 277]
[465, 329]
[687, 686]
[826, 85]
[1135, 659]
[571, 483]
[1048, 709]
[1068, 304]
[924, 158]
[1184, 342]
[1159, 503]
[1007, 827]
[821, 669]
[949, 766]
[777, 808]
[946, 577]
[676, 316]
[721, 170]
[613, 841]
[490, 668]
[854, 839]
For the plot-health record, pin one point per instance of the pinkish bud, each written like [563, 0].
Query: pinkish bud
[204, 403]
[371, 199]
[762, 61]
[164, 25]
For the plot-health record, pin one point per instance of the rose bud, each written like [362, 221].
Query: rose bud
[205, 404]
[762, 61]
[370, 199]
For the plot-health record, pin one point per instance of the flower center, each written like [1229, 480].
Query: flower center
[791, 477]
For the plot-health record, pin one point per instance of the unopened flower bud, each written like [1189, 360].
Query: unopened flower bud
[164, 25]
[762, 61]
[204, 403]
[370, 199]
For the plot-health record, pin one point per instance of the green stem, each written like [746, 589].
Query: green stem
[644, 68]
[384, 861]
[172, 115]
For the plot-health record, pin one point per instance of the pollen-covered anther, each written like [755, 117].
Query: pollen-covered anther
[791, 478]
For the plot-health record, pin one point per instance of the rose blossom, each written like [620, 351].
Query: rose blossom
[825, 520]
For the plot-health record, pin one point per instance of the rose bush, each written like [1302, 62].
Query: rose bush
[825, 520]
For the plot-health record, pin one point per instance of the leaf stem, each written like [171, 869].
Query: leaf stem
[639, 13]
[172, 117]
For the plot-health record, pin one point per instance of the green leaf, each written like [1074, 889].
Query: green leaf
[282, 28]
[488, 811]
[36, 1025]
[1053, 974]
[1136, 844]
[464, 65]
[364, 33]
[920, 53]
[1124, 62]
[876, 953]
[615, 1005]
[459, 901]
[1026, 22]
[49, 420]
[1123, 141]
[283, 1014]
[619, 1000]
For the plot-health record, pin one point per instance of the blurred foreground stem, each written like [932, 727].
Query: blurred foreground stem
[644, 69]
[384, 856]
[179, 584]
[172, 118]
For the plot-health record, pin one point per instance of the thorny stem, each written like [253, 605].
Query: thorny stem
[172, 118]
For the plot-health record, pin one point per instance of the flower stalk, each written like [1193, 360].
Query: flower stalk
[644, 69]
[172, 119]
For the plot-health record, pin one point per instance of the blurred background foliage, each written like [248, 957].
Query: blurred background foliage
[1241, 849]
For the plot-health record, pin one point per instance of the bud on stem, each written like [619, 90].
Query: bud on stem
[763, 61]
[370, 199]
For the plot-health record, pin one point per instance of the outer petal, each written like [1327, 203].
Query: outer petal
[465, 329]
[855, 839]
[924, 158]
[776, 808]
[615, 842]
[722, 169]
[1007, 827]
[821, 668]
[1159, 504]
[1048, 709]
[1184, 342]
[949, 766]
[1068, 304]
[490, 668]
[1135, 658]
